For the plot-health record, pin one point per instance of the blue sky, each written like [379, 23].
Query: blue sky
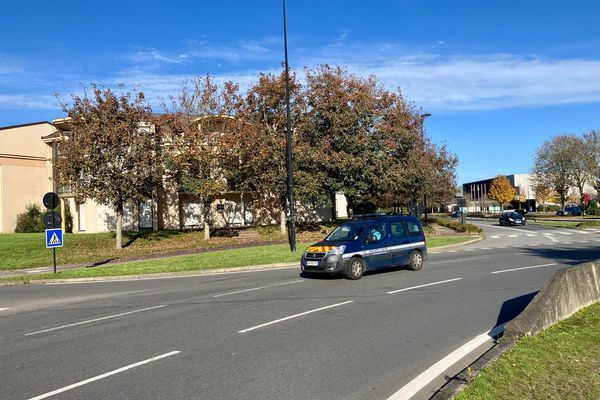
[498, 77]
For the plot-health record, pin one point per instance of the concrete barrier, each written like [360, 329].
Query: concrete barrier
[568, 291]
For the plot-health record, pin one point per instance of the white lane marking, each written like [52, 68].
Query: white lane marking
[458, 259]
[2, 309]
[485, 248]
[583, 241]
[414, 386]
[549, 236]
[530, 235]
[495, 237]
[513, 236]
[95, 320]
[519, 269]
[504, 227]
[294, 316]
[96, 378]
[565, 233]
[257, 288]
[420, 286]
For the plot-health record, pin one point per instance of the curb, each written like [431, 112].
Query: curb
[457, 384]
[162, 275]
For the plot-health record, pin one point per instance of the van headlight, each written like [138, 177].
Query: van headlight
[336, 251]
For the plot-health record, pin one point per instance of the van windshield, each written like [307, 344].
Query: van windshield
[346, 232]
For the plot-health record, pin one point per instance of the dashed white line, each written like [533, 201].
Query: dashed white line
[257, 288]
[425, 285]
[530, 235]
[106, 375]
[565, 233]
[519, 269]
[414, 386]
[294, 316]
[95, 320]
[4, 308]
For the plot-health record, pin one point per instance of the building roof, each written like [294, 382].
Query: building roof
[24, 125]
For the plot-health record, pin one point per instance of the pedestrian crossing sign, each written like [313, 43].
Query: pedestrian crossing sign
[54, 238]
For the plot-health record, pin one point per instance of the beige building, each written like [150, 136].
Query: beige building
[26, 154]
[25, 169]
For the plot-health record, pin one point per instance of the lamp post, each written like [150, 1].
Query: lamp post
[422, 117]
[290, 172]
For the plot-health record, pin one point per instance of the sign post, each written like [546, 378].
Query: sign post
[54, 236]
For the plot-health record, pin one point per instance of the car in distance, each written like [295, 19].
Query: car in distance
[368, 242]
[456, 214]
[570, 210]
[512, 218]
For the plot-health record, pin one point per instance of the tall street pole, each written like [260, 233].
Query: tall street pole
[290, 172]
[423, 116]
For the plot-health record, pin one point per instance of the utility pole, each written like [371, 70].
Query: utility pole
[290, 172]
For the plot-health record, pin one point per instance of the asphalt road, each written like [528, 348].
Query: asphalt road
[272, 334]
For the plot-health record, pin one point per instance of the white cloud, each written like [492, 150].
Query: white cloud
[43, 102]
[435, 82]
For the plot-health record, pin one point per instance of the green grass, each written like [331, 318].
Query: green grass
[250, 256]
[27, 250]
[437, 241]
[563, 362]
[569, 224]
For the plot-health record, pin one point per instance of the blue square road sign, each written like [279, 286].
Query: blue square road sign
[54, 238]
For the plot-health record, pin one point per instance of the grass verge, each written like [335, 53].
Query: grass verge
[250, 256]
[562, 362]
[569, 224]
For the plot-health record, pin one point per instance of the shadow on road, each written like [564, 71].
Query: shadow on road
[513, 307]
[565, 254]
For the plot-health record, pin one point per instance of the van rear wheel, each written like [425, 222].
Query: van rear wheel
[416, 260]
[355, 268]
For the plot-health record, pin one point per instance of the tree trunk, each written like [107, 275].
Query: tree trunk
[119, 231]
[282, 222]
[206, 230]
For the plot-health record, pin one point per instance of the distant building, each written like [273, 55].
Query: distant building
[476, 196]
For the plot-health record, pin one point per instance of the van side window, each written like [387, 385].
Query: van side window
[413, 229]
[398, 229]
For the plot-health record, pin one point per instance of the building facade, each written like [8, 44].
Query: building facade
[26, 174]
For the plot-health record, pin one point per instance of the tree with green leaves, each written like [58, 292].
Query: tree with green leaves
[501, 190]
[198, 137]
[554, 164]
[342, 109]
[111, 153]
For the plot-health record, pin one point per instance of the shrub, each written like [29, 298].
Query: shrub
[457, 226]
[225, 232]
[32, 220]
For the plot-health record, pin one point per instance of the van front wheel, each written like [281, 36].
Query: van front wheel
[355, 268]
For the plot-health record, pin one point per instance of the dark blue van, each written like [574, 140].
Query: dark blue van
[368, 242]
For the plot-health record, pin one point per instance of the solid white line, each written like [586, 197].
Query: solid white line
[95, 320]
[96, 378]
[420, 286]
[294, 316]
[518, 269]
[458, 259]
[414, 386]
[257, 288]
